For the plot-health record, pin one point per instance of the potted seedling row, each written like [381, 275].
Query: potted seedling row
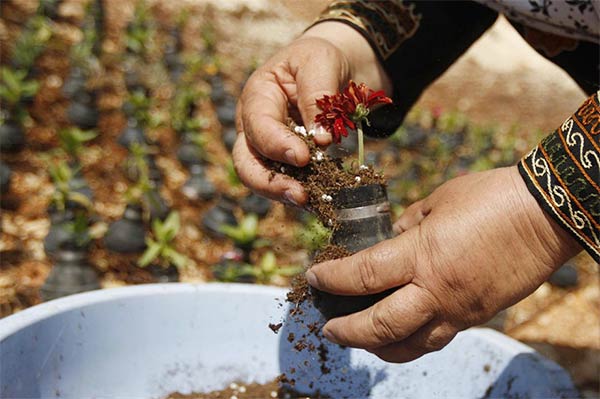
[15, 90]
[161, 257]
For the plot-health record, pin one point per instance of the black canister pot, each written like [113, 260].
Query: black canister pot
[74, 83]
[127, 235]
[162, 274]
[198, 187]
[219, 215]
[83, 114]
[364, 218]
[229, 136]
[12, 137]
[226, 112]
[257, 204]
[5, 177]
[189, 153]
[70, 274]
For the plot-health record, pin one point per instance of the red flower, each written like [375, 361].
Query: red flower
[344, 110]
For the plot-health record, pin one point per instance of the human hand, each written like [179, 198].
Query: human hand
[476, 245]
[318, 63]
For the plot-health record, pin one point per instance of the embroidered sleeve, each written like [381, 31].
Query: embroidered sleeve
[415, 41]
[563, 174]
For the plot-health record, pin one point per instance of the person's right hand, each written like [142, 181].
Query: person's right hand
[320, 62]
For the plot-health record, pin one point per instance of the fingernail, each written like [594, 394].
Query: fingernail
[290, 157]
[289, 197]
[311, 278]
[320, 131]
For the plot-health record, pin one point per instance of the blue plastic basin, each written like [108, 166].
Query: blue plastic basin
[147, 341]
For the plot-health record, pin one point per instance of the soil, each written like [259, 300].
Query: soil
[324, 176]
[241, 390]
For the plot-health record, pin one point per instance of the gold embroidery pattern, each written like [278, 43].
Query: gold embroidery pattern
[386, 24]
[563, 173]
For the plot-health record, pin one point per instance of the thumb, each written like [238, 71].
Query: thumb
[314, 80]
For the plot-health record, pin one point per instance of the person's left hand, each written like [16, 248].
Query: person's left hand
[477, 245]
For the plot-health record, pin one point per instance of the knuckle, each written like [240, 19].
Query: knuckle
[435, 341]
[382, 325]
[367, 275]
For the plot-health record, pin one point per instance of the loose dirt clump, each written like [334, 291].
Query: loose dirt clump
[240, 390]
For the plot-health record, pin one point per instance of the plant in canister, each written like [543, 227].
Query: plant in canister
[146, 189]
[232, 269]
[220, 214]
[198, 186]
[161, 257]
[71, 273]
[31, 43]
[257, 204]
[68, 209]
[15, 88]
[352, 200]
[267, 271]
[244, 235]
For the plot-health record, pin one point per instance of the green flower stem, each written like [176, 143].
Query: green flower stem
[361, 144]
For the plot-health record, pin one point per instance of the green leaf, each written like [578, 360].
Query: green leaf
[290, 271]
[150, 254]
[268, 263]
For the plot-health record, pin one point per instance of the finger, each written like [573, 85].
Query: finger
[263, 112]
[386, 265]
[254, 175]
[412, 216]
[314, 80]
[391, 320]
[430, 338]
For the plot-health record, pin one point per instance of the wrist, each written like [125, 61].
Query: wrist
[553, 243]
[364, 64]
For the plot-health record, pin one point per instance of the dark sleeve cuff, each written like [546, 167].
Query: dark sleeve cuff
[563, 174]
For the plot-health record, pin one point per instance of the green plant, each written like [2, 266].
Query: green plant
[267, 268]
[79, 229]
[72, 139]
[231, 271]
[82, 53]
[245, 234]
[263, 272]
[232, 176]
[140, 106]
[139, 153]
[61, 175]
[14, 88]
[140, 31]
[312, 235]
[32, 41]
[185, 99]
[160, 244]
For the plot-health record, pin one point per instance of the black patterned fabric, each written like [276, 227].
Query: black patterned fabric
[563, 173]
[416, 41]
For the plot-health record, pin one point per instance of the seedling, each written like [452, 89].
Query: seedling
[160, 248]
[245, 234]
[72, 140]
[30, 44]
[232, 176]
[14, 88]
[140, 31]
[267, 269]
[312, 235]
[64, 192]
